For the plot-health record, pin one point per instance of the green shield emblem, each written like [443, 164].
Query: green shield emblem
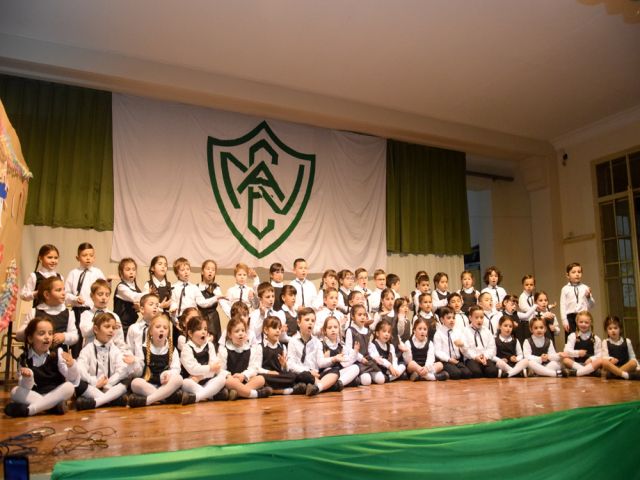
[261, 186]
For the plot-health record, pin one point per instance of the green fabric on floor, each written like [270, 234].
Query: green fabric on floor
[594, 442]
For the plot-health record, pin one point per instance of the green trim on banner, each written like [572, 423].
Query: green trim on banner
[593, 442]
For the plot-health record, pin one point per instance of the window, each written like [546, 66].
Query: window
[617, 184]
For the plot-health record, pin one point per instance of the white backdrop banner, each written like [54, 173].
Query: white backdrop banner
[203, 183]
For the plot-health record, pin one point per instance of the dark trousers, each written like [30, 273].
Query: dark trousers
[478, 370]
[571, 318]
[457, 372]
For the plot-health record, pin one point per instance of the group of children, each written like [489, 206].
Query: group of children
[164, 342]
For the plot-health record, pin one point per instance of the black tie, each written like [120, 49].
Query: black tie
[81, 281]
[304, 350]
[302, 291]
[241, 291]
[530, 300]
[576, 291]
[475, 337]
[451, 348]
[184, 287]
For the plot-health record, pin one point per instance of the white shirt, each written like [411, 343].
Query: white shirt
[71, 285]
[191, 364]
[525, 302]
[71, 334]
[374, 300]
[573, 299]
[479, 342]
[444, 351]
[29, 290]
[375, 355]
[191, 297]
[97, 360]
[86, 328]
[127, 291]
[497, 294]
[238, 293]
[257, 318]
[322, 315]
[305, 289]
[312, 353]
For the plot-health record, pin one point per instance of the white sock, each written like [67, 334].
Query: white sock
[625, 375]
[253, 394]
[431, 377]
[287, 391]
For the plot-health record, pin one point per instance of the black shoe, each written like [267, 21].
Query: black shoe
[299, 389]
[84, 403]
[188, 398]
[338, 386]
[222, 395]
[264, 392]
[59, 409]
[14, 409]
[175, 398]
[312, 390]
[611, 376]
[121, 401]
[634, 375]
[414, 377]
[568, 372]
[136, 400]
[442, 376]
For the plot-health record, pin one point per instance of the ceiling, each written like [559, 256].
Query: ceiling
[495, 77]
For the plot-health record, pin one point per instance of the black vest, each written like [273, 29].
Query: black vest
[621, 352]
[539, 351]
[60, 321]
[419, 355]
[237, 362]
[270, 357]
[386, 354]
[157, 364]
[124, 310]
[587, 345]
[201, 357]
[506, 349]
[362, 339]
[46, 377]
[468, 300]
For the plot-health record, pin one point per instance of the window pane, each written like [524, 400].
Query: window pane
[619, 172]
[623, 229]
[634, 163]
[630, 328]
[607, 220]
[612, 270]
[616, 303]
[603, 178]
[611, 251]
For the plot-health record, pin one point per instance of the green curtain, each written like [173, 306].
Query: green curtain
[426, 200]
[66, 138]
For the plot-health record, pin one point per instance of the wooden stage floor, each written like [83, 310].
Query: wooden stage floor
[398, 406]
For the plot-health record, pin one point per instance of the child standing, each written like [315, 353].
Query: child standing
[509, 358]
[382, 351]
[393, 282]
[210, 289]
[266, 299]
[78, 287]
[103, 367]
[346, 279]
[329, 280]
[380, 279]
[241, 291]
[127, 298]
[47, 374]
[447, 342]
[158, 284]
[468, 292]
[362, 281]
[46, 265]
[306, 290]
[492, 280]
[420, 355]
[158, 368]
[441, 294]
[540, 353]
[575, 296]
[480, 346]
[520, 320]
[242, 360]
[422, 286]
[618, 357]
[583, 347]
[290, 324]
[203, 374]
[276, 277]
[185, 294]
[526, 301]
